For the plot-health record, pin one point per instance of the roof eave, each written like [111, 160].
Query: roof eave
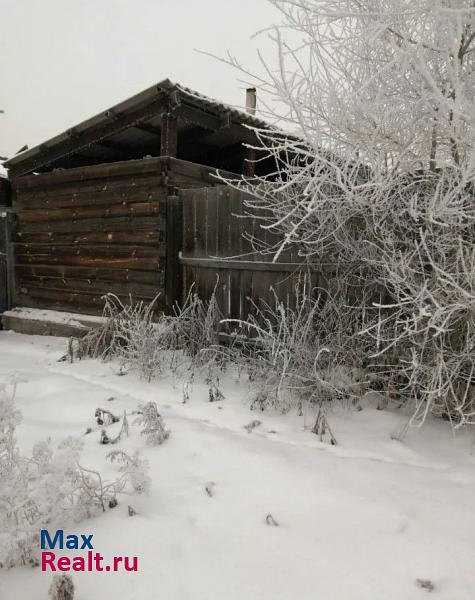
[165, 88]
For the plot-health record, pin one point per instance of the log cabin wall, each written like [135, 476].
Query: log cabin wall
[81, 233]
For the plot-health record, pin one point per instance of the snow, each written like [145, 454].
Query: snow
[361, 520]
[54, 316]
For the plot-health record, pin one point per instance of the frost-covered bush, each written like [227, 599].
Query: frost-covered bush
[301, 354]
[133, 470]
[154, 428]
[197, 325]
[35, 492]
[378, 181]
[50, 488]
[10, 418]
[143, 343]
[148, 343]
[61, 588]
[129, 333]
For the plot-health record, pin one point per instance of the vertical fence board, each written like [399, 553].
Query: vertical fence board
[210, 201]
[173, 270]
[217, 255]
[236, 240]
[188, 241]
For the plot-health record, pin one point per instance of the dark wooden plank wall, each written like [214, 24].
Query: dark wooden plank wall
[214, 224]
[79, 239]
[83, 232]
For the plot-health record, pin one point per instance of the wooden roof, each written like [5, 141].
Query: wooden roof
[208, 132]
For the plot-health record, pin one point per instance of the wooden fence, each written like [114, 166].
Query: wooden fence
[136, 235]
[216, 254]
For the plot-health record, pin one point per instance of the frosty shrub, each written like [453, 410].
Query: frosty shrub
[379, 181]
[103, 341]
[61, 588]
[301, 354]
[97, 493]
[49, 488]
[10, 418]
[150, 344]
[129, 333]
[142, 342]
[154, 428]
[35, 492]
[133, 470]
[197, 325]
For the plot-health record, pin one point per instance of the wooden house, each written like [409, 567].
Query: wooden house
[96, 206]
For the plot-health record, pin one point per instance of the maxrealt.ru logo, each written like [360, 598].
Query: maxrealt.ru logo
[88, 561]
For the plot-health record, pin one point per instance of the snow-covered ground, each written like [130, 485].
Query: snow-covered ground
[360, 521]
[52, 316]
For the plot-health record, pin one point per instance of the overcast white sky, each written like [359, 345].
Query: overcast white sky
[62, 61]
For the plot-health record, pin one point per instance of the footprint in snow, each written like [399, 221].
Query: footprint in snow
[271, 521]
[209, 488]
[252, 425]
[425, 584]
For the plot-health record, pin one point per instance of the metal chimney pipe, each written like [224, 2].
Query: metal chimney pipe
[251, 100]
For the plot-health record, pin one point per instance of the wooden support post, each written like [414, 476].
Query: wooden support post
[3, 260]
[248, 162]
[7, 274]
[249, 158]
[11, 274]
[174, 270]
[169, 136]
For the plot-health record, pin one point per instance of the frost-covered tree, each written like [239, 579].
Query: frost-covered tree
[379, 180]
[50, 488]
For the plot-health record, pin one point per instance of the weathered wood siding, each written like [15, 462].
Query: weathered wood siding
[84, 232]
[76, 240]
[218, 255]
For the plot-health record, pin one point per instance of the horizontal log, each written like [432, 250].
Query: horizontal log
[90, 286]
[180, 182]
[84, 186]
[72, 301]
[139, 238]
[44, 327]
[52, 304]
[81, 197]
[102, 250]
[47, 186]
[145, 264]
[47, 303]
[102, 171]
[93, 225]
[145, 166]
[140, 209]
[196, 171]
[152, 277]
[81, 297]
